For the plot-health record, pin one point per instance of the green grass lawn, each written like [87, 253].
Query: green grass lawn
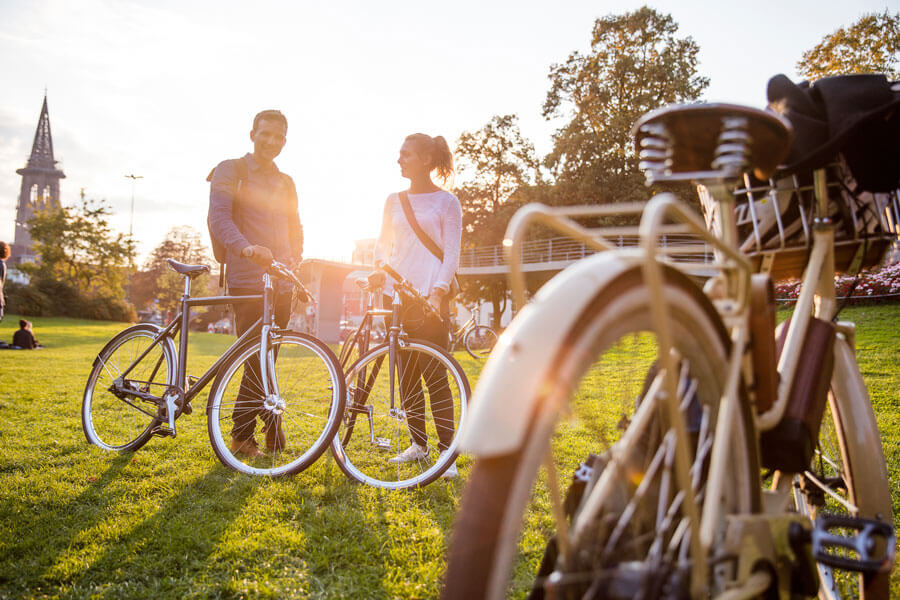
[170, 521]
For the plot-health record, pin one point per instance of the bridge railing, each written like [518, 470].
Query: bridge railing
[564, 250]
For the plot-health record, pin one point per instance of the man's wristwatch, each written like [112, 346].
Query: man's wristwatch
[247, 252]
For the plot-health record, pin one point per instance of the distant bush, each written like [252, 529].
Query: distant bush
[51, 298]
[26, 300]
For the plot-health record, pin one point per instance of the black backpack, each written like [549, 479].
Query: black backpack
[218, 248]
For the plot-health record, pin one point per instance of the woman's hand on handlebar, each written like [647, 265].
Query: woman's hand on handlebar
[436, 298]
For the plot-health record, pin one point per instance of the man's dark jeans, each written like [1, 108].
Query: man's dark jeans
[249, 402]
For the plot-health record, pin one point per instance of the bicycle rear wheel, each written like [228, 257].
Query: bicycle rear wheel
[124, 421]
[307, 406]
[430, 397]
[847, 477]
[480, 341]
[636, 545]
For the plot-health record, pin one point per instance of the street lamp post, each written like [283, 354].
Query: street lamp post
[133, 179]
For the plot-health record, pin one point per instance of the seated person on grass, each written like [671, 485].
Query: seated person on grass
[24, 338]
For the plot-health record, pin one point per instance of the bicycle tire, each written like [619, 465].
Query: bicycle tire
[311, 387]
[838, 449]
[479, 341]
[614, 326]
[368, 438]
[112, 423]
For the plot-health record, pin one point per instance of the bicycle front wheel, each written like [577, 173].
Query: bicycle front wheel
[114, 416]
[619, 442]
[848, 477]
[424, 403]
[295, 417]
[480, 341]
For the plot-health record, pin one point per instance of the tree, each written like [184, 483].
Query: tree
[636, 63]
[870, 45]
[77, 246]
[495, 164]
[157, 282]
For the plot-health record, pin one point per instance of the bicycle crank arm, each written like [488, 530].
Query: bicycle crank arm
[167, 428]
[872, 544]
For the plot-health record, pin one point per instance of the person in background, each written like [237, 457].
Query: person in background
[253, 213]
[4, 254]
[439, 216]
[24, 337]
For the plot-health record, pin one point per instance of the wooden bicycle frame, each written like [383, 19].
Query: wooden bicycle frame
[730, 293]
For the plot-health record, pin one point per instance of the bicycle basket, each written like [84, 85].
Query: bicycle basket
[775, 220]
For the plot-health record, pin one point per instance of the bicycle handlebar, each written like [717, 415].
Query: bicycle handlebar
[408, 288]
[281, 270]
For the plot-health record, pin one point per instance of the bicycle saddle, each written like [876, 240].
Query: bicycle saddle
[189, 270]
[707, 141]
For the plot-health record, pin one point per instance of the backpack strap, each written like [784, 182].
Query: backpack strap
[417, 229]
[241, 173]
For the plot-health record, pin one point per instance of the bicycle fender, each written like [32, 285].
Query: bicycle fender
[514, 378]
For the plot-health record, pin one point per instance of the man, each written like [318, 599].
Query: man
[24, 337]
[253, 213]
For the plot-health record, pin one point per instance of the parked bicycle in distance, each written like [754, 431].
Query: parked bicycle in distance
[138, 386]
[400, 391]
[478, 340]
[653, 401]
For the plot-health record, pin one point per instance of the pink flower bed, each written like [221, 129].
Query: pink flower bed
[872, 284]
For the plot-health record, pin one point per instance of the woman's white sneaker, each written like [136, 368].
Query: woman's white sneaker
[451, 472]
[414, 452]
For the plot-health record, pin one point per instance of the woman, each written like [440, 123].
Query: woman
[439, 217]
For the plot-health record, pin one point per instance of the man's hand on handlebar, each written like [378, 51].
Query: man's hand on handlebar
[260, 255]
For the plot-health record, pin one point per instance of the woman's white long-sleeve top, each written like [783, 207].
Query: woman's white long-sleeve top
[439, 214]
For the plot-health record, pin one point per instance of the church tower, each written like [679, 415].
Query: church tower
[40, 187]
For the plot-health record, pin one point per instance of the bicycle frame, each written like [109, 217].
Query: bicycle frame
[731, 285]
[186, 392]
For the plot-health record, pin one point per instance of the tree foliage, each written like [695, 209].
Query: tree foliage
[870, 45]
[636, 63]
[157, 282]
[77, 246]
[495, 164]
[82, 267]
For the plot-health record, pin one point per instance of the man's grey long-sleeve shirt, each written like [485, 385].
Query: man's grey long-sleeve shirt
[262, 213]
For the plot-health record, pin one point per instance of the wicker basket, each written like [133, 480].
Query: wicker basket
[775, 219]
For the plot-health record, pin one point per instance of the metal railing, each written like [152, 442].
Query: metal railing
[566, 250]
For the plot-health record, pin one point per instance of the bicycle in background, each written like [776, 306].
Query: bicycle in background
[478, 340]
[138, 386]
[677, 392]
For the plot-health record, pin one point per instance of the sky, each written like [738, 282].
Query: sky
[166, 89]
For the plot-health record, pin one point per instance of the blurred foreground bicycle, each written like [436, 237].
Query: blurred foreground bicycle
[658, 384]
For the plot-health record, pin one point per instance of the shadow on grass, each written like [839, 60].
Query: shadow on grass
[174, 546]
[111, 549]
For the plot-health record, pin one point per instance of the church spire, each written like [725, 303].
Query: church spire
[42, 147]
[40, 186]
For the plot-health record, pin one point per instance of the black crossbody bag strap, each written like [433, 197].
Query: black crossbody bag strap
[420, 233]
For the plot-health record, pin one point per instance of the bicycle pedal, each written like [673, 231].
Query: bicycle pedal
[163, 430]
[868, 548]
[382, 443]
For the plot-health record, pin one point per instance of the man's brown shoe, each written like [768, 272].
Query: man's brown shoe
[247, 447]
[275, 439]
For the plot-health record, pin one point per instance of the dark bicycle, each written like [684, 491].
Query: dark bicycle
[389, 387]
[138, 385]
